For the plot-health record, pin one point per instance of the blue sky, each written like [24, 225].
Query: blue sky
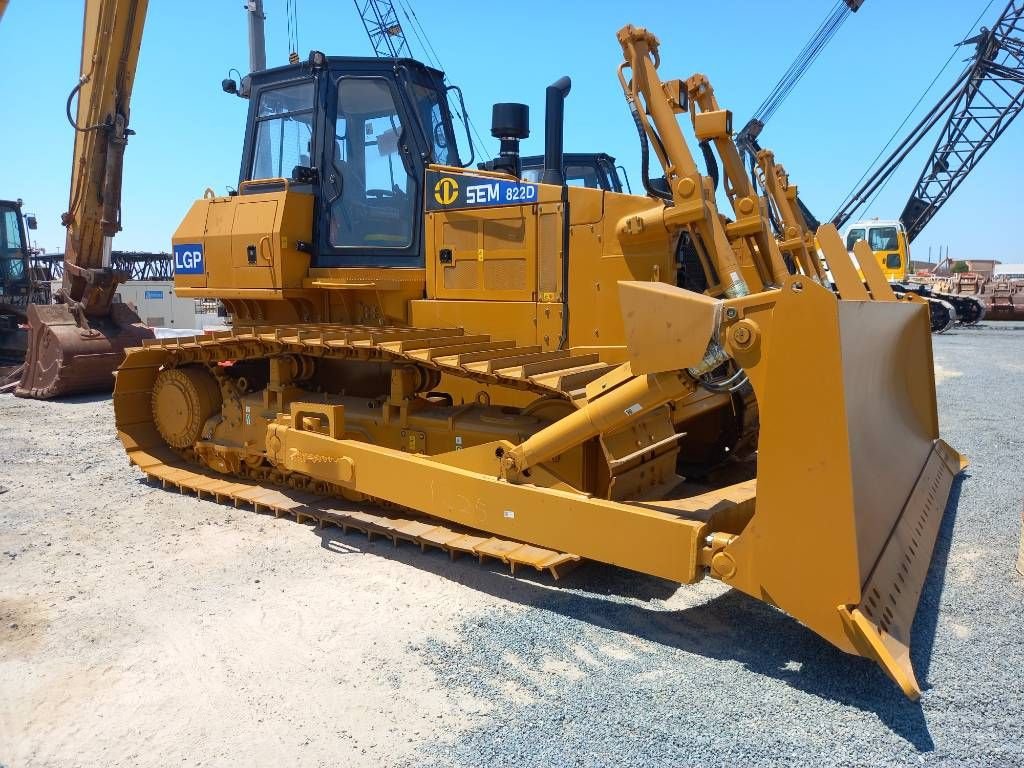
[189, 133]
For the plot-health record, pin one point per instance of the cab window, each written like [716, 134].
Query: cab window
[369, 188]
[892, 261]
[12, 266]
[853, 236]
[433, 115]
[883, 239]
[10, 238]
[582, 176]
[610, 176]
[284, 131]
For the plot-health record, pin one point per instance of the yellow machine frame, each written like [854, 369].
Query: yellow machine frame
[573, 391]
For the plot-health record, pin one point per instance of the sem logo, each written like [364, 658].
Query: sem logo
[446, 191]
[481, 194]
[188, 259]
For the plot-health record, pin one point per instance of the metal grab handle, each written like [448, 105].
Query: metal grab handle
[264, 183]
[268, 252]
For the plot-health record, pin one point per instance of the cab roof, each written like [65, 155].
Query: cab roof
[358, 63]
[875, 223]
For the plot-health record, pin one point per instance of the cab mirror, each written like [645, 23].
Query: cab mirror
[30, 221]
[304, 174]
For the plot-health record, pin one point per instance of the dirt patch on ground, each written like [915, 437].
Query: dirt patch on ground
[140, 627]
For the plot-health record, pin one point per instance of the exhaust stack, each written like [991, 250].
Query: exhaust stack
[554, 120]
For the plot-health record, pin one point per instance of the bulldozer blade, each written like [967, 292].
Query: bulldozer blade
[65, 358]
[852, 478]
[880, 624]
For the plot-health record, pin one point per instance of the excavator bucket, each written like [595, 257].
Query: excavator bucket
[852, 478]
[66, 357]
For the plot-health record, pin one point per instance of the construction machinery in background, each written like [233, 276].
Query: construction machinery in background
[520, 357]
[973, 113]
[597, 170]
[75, 344]
[977, 108]
[748, 136]
[17, 286]
[792, 221]
[1001, 295]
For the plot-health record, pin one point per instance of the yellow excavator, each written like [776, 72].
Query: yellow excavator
[75, 344]
[508, 369]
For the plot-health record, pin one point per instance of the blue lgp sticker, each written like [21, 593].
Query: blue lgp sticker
[188, 259]
[154, 294]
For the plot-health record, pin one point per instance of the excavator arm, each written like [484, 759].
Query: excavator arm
[75, 345]
[111, 37]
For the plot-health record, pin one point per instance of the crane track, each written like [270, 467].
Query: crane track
[448, 350]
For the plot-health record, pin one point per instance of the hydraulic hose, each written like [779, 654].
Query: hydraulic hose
[645, 155]
[710, 162]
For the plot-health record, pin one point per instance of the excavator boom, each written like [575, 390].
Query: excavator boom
[76, 344]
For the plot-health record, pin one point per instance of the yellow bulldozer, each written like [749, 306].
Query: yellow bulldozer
[509, 369]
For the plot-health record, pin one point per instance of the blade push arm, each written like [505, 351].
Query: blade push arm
[714, 124]
[796, 237]
[654, 106]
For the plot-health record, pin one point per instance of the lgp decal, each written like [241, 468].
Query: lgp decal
[477, 192]
[188, 259]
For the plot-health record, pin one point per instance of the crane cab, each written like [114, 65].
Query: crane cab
[888, 242]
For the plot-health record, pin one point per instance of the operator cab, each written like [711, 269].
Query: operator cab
[887, 240]
[593, 170]
[13, 249]
[357, 133]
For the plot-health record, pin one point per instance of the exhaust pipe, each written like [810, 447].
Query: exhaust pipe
[554, 119]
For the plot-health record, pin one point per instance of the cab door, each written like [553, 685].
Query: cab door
[371, 208]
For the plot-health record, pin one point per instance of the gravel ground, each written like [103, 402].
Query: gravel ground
[139, 627]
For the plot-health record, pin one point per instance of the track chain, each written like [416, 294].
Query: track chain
[449, 350]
